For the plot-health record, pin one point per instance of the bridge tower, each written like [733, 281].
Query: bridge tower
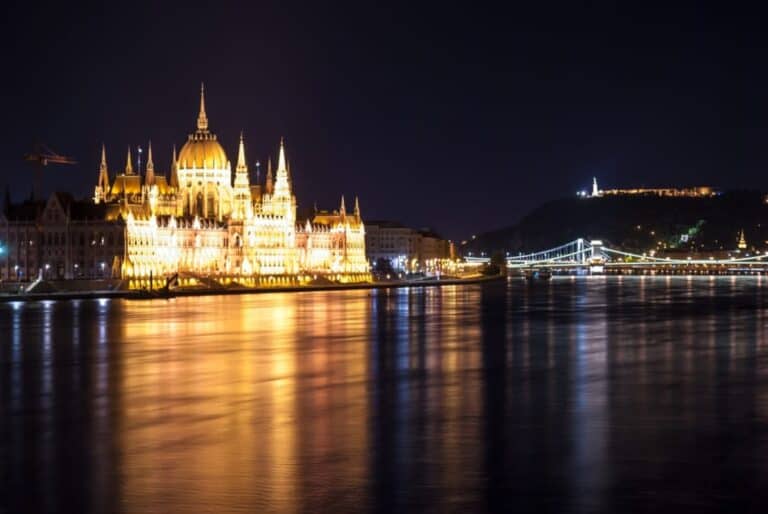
[596, 257]
[596, 249]
[581, 255]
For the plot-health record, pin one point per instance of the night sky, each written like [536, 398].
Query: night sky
[460, 117]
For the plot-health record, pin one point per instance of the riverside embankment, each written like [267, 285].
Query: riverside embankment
[83, 294]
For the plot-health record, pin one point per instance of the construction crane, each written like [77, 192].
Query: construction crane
[42, 155]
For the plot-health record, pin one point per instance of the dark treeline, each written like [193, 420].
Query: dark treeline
[637, 223]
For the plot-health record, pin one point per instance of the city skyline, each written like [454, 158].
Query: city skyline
[383, 257]
[468, 118]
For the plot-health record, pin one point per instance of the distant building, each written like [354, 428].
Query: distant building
[431, 247]
[61, 239]
[391, 241]
[405, 248]
[689, 192]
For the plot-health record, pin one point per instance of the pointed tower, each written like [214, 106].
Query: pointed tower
[357, 208]
[241, 165]
[174, 170]
[281, 157]
[342, 208]
[128, 163]
[595, 190]
[742, 241]
[150, 171]
[149, 190]
[102, 186]
[202, 119]
[282, 187]
[243, 208]
[269, 186]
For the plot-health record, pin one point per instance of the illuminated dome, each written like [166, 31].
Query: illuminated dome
[202, 150]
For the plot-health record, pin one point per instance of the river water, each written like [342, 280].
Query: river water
[577, 395]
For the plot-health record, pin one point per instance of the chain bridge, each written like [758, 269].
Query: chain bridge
[593, 256]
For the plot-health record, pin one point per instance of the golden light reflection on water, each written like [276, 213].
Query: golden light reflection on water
[346, 400]
[225, 391]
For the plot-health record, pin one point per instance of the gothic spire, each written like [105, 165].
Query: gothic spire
[103, 172]
[174, 170]
[282, 183]
[242, 182]
[241, 166]
[150, 172]
[357, 207]
[128, 163]
[202, 119]
[281, 166]
[269, 184]
[342, 208]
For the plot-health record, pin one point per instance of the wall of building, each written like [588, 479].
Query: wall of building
[62, 239]
[405, 248]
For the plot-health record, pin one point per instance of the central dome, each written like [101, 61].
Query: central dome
[202, 150]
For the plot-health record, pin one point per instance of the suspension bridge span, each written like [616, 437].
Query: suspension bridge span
[595, 257]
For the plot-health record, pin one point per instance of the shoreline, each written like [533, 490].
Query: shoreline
[159, 295]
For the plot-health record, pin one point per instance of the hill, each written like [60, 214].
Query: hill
[636, 223]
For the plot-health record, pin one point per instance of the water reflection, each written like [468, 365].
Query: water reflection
[577, 395]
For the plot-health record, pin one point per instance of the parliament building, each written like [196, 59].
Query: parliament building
[200, 224]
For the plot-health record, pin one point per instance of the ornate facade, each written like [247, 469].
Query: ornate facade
[203, 225]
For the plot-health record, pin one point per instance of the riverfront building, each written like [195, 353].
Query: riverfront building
[200, 224]
[404, 248]
[60, 238]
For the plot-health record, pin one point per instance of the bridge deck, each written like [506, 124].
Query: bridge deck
[583, 254]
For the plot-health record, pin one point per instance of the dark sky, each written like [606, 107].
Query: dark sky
[457, 116]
